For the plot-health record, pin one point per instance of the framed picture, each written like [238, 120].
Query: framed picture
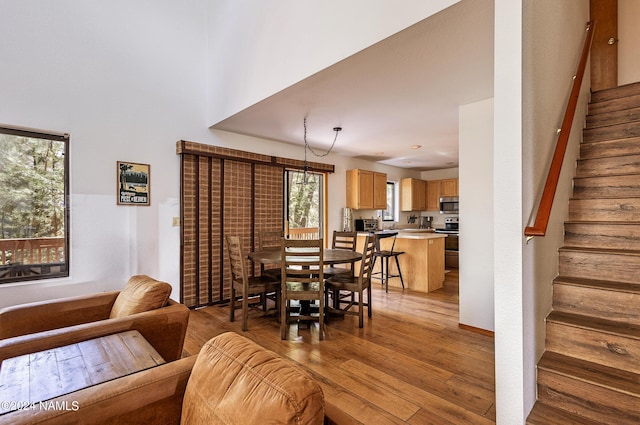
[133, 183]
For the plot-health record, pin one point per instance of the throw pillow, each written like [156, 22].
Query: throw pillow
[142, 293]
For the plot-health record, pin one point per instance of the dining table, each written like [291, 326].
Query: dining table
[330, 256]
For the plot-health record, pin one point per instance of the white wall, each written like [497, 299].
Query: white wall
[284, 41]
[129, 78]
[532, 82]
[476, 214]
[629, 40]
[549, 68]
[126, 80]
[507, 190]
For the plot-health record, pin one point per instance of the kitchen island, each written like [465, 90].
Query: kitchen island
[422, 263]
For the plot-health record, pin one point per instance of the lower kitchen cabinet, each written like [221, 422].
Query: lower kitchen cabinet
[451, 259]
[422, 263]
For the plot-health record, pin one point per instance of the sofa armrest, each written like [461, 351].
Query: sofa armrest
[165, 329]
[41, 316]
[153, 396]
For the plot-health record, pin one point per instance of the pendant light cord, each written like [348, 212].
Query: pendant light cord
[307, 145]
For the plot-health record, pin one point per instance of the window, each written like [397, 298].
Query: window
[391, 213]
[34, 214]
[304, 209]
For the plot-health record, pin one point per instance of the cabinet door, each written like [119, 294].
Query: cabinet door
[379, 191]
[414, 194]
[449, 187]
[365, 188]
[419, 195]
[406, 195]
[433, 195]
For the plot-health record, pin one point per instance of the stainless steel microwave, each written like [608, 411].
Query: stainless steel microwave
[449, 205]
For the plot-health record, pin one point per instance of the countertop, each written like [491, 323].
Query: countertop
[410, 234]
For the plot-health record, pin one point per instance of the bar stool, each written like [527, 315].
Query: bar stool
[384, 256]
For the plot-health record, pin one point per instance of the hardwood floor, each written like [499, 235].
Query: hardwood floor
[409, 364]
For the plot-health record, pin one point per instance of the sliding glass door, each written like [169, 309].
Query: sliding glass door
[305, 204]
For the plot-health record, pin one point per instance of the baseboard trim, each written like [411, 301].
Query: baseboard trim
[477, 330]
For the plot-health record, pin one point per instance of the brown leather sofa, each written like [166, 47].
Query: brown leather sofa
[231, 381]
[143, 305]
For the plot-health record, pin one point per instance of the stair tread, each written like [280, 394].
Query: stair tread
[616, 112]
[542, 414]
[591, 198]
[619, 139]
[605, 176]
[600, 222]
[613, 124]
[597, 374]
[628, 330]
[607, 285]
[568, 248]
[612, 93]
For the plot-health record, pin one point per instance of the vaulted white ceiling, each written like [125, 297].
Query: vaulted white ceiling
[401, 92]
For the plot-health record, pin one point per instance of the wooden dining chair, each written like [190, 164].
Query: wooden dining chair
[246, 286]
[346, 241]
[356, 284]
[302, 279]
[270, 239]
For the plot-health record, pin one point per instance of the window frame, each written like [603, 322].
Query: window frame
[322, 199]
[394, 203]
[58, 137]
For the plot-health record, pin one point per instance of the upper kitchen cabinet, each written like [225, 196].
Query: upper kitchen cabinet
[449, 187]
[433, 195]
[439, 188]
[366, 190]
[413, 195]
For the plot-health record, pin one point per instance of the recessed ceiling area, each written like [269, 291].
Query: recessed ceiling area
[391, 97]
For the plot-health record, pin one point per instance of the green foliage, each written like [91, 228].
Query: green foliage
[304, 199]
[32, 180]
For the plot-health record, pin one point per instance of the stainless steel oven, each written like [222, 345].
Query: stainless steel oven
[451, 242]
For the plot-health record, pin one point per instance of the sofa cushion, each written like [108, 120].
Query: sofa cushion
[236, 381]
[142, 293]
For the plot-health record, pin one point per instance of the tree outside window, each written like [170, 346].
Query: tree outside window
[304, 207]
[33, 207]
[389, 214]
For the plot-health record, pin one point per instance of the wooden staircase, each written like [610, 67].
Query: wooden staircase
[590, 371]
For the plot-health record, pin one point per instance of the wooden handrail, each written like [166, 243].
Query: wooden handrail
[539, 227]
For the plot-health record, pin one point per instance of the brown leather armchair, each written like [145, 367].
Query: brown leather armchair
[143, 305]
[232, 381]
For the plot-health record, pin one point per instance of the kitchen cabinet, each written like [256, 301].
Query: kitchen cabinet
[379, 191]
[439, 188]
[433, 195]
[366, 190]
[413, 194]
[422, 263]
[449, 187]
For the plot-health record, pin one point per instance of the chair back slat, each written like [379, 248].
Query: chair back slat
[270, 239]
[237, 259]
[366, 264]
[302, 278]
[344, 240]
[302, 260]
